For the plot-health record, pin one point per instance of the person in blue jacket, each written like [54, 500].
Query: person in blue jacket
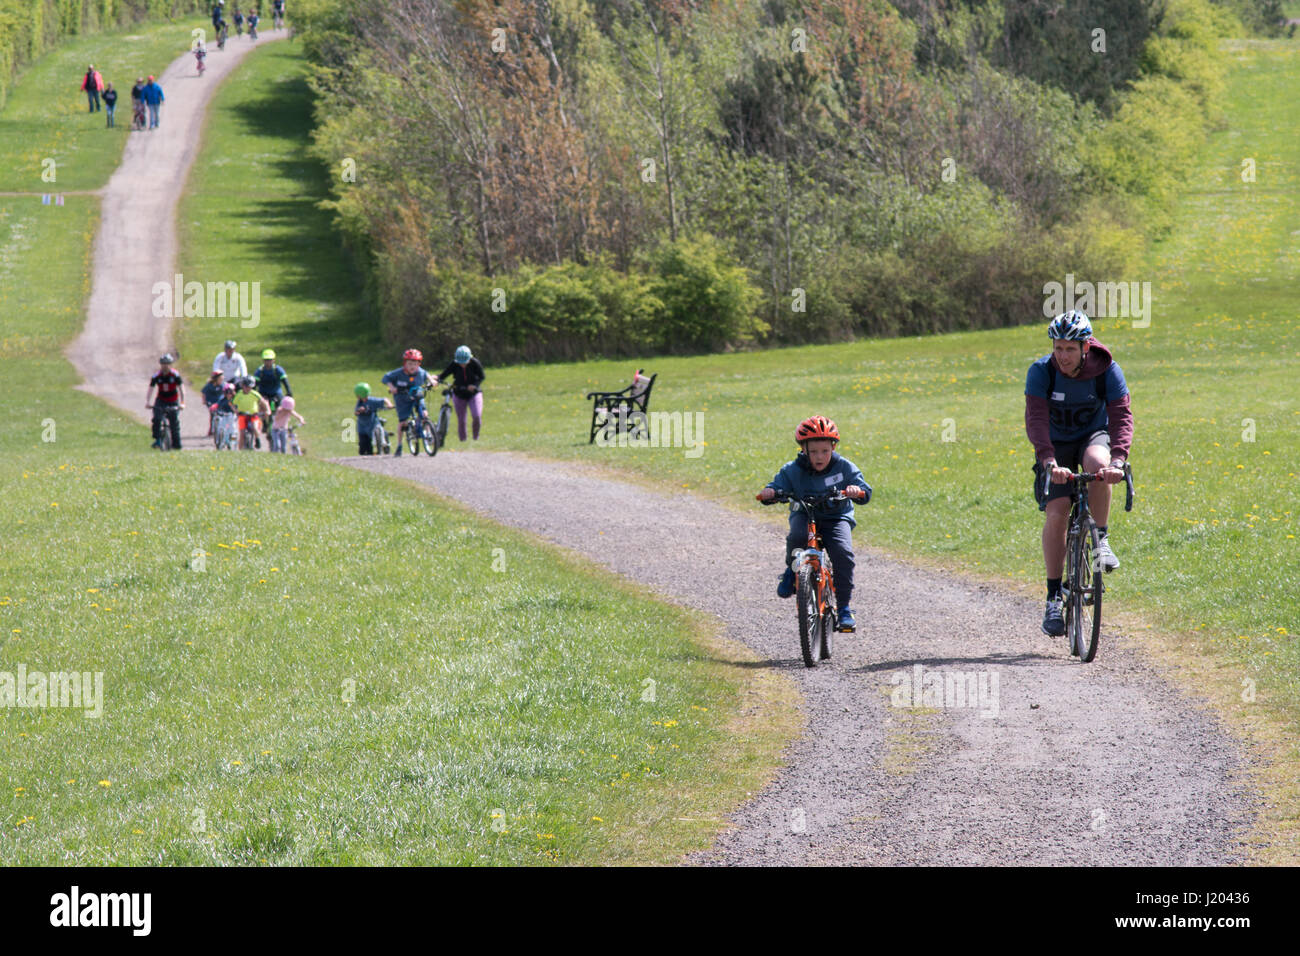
[153, 97]
[819, 469]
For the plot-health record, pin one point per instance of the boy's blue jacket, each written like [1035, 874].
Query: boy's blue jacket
[798, 478]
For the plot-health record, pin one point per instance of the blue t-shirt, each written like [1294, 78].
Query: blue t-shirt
[1074, 408]
[404, 383]
[368, 414]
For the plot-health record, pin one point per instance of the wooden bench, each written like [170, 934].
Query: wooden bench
[622, 410]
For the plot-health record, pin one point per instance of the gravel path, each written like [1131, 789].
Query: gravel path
[119, 346]
[1103, 763]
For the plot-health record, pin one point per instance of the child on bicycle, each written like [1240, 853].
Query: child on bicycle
[407, 385]
[367, 412]
[250, 406]
[280, 424]
[252, 23]
[212, 393]
[171, 399]
[819, 469]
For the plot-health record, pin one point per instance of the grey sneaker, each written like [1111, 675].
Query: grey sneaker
[1104, 556]
[1054, 618]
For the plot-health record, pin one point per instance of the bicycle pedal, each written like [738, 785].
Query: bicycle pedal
[846, 630]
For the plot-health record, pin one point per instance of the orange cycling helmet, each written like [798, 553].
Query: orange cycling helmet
[819, 426]
[413, 354]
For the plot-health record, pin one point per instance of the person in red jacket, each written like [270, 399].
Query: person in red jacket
[91, 84]
[1077, 413]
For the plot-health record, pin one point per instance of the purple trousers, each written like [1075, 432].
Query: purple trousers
[475, 406]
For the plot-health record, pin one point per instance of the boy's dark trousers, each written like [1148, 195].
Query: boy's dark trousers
[838, 538]
[174, 421]
[364, 443]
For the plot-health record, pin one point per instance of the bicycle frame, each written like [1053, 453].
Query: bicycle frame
[814, 554]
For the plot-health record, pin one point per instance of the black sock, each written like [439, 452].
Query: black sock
[1053, 588]
[1101, 530]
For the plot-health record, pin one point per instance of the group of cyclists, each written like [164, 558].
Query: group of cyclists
[260, 403]
[408, 383]
[252, 19]
[245, 408]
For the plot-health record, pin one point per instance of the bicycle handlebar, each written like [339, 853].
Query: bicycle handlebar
[1085, 477]
[808, 502]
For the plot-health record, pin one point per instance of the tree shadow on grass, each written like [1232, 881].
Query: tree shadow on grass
[300, 237]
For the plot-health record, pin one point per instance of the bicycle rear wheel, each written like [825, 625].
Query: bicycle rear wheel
[413, 436]
[829, 619]
[810, 617]
[379, 441]
[430, 437]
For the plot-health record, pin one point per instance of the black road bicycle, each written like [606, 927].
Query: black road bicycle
[1082, 585]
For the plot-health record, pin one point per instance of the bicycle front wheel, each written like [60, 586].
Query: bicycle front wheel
[430, 437]
[444, 425]
[810, 616]
[1088, 594]
[379, 441]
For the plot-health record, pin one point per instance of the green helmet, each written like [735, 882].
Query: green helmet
[268, 353]
[361, 389]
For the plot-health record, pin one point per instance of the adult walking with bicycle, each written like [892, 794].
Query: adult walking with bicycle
[466, 375]
[1077, 415]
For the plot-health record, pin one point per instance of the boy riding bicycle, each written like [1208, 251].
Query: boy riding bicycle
[1077, 414]
[403, 382]
[817, 470]
[171, 399]
[251, 407]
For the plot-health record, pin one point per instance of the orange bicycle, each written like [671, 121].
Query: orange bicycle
[813, 582]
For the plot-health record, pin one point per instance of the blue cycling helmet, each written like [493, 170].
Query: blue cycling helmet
[463, 355]
[1072, 326]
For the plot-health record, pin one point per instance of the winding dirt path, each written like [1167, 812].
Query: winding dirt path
[1062, 763]
[136, 244]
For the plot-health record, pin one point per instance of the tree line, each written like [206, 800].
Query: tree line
[567, 178]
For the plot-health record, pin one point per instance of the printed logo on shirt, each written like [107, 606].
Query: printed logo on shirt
[832, 479]
[1058, 396]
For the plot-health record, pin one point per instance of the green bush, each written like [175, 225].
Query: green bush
[708, 301]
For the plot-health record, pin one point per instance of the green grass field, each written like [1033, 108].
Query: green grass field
[305, 664]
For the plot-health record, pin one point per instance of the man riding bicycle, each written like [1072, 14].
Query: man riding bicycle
[406, 383]
[1077, 414]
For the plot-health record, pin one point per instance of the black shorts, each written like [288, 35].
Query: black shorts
[1069, 454]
